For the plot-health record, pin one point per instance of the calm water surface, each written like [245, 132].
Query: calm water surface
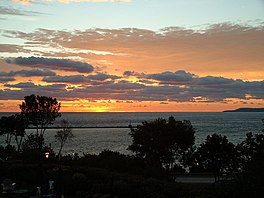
[233, 125]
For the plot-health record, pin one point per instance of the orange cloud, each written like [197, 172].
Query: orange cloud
[222, 49]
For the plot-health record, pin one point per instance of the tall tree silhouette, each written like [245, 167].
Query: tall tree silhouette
[161, 141]
[218, 155]
[13, 126]
[40, 111]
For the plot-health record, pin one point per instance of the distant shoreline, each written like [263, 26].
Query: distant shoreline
[246, 110]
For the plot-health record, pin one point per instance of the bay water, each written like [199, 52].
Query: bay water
[234, 125]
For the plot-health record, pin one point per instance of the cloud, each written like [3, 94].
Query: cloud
[79, 79]
[52, 63]
[10, 48]
[179, 77]
[211, 87]
[29, 73]
[170, 86]
[74, 79]
[219, 48]
[17, 12]
[133, 73]
[6, 79]
[29, 88]
[129, 73]
[102, 91]
[21, 85]
[26, 2]
[102, 77]
[13, 11]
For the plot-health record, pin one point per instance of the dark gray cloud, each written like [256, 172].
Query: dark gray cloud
[29, 88]
[179, 86]
[103, 91]
[6, 79]
[102, 77]
[179, 77]
[128, 73]
[74, 79]
[210, 87]
[132, 73]
[52, 63]
[78, 79]
[29, 73]
[23, 85]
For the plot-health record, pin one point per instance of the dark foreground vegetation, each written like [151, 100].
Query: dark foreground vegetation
[162, 149]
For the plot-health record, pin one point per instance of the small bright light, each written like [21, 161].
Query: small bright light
[47, 155]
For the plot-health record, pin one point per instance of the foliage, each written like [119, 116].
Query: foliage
[64, 134]
[252, 155]
[249, 182]
[8, 152]
[251, 146]
[217, 155]
[162, 142]
[13, 126]
[254, 173]
[32, 142]
[30, 149]
[100, 182]
[40, 111]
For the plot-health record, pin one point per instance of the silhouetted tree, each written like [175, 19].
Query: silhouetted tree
[189, 160]
[64, 134]
[218, 155]
[6, 128]
[162, 142]
[32, 142]
[253, 169]
[253, 145]
[31, 151]
[250, 182]
[13, 126]
[40, 111]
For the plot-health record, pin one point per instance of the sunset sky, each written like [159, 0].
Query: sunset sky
[133, 55]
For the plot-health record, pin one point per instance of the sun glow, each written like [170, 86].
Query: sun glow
[139, 106]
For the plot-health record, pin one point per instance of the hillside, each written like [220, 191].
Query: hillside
[246, 110]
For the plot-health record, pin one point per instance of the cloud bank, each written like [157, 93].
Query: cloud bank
[28, 73]
[6, 79]
[80, 79]
[52, 63]
[219, 48]
[179, 86]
